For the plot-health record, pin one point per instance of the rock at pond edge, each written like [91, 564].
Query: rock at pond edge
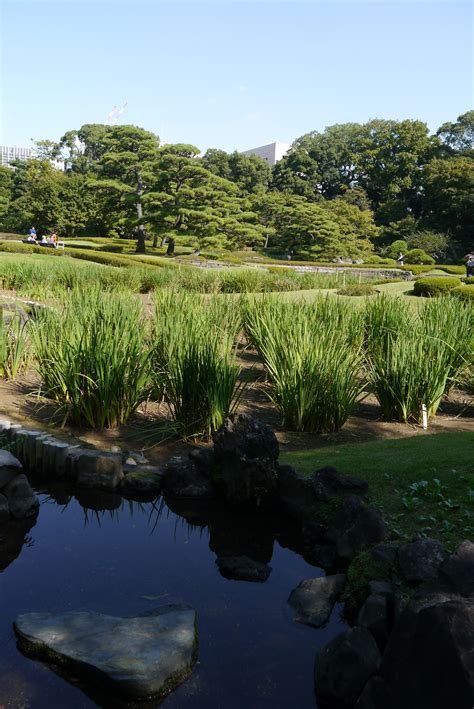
[139, 657]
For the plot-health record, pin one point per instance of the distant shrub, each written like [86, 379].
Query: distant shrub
[437, 285]
[357, 290]
[465, 292]
[419, 256]
[111, 248]
[397, 247]
[17, 247]
[374, 259]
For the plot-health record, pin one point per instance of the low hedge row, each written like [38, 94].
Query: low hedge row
[437, 285]
[121, 261]
[17, 247]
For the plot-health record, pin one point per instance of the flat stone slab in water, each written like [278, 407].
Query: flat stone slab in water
[137, 657]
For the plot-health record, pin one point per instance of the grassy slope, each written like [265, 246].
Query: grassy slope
[402, 475]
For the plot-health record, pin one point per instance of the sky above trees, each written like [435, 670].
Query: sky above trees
[231, 75]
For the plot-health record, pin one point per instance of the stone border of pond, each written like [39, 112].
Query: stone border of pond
[410, 605]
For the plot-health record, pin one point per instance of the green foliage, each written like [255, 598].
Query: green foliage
[419, 256]
[431, 242]
[396, 248]
[414, 360]
[465, 292]
[193, 361]
[92, 357]
[14, 346]
[447, 199]
[458, 137]
[400, 469]
[17, 247]
[312, 354]
[186, 199]
[436, 285]
[250, 172]
[362, 289]
[315, 230]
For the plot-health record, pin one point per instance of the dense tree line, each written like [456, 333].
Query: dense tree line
[336, 193]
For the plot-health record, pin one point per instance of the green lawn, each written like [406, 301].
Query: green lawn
[423, 484]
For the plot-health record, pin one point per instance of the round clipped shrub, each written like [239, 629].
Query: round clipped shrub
[419, 256]
[465, 292]
[374, 259]
[437, 285]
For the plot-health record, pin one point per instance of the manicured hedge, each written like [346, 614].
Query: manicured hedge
[437, 285]
[18, 247]
[464, 292]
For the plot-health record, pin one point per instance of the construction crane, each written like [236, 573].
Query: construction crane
[115, 114]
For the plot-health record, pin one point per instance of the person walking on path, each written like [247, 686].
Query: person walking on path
[400, 259]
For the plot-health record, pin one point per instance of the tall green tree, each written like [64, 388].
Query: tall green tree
[324, 230]
[448, 197]
[320, 163]
[458, 136]
[250, 172]
[125, 171]
[186, 199]
[5, 190]
[35, 196]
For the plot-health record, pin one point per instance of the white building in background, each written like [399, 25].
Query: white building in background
[272, 153]
[9, 153]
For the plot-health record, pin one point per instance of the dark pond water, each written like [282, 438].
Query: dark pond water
[117, 557]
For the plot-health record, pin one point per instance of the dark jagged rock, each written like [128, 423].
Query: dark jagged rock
[355, 527]
[385, 556]
[245, 461]
[429, 662]
[457, 571]
[420, 560]
[99, 470]
[375, 616]
[344, 666]
[22, 501]
[4, 508]
[374, 695]
[314, 599]
[324, 555]
[327, 482]
[296, 494]
[203, 459]
[137, 657]
[181, 478]
[242, 568]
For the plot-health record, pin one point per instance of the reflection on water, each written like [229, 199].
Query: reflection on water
[103, 553]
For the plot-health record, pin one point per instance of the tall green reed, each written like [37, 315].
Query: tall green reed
[313, 356]
[193, 361]
[93, 358]
[413, 360]
[15, 346]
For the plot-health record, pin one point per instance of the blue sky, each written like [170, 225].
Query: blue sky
[232, 75]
